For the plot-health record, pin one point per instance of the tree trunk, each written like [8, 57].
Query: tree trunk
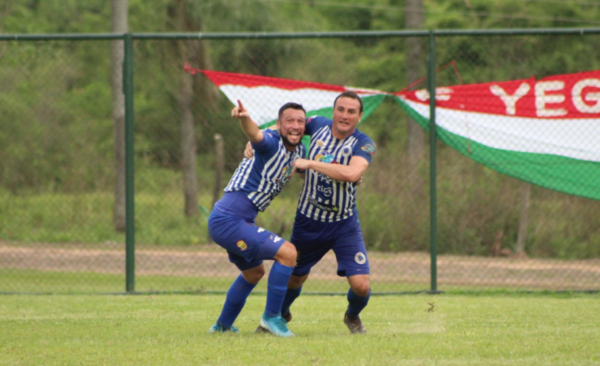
[118, 25]
[193, 88]
[188, 146]
[414, 71]
[523, 220]
[219, 167]
[415, 67]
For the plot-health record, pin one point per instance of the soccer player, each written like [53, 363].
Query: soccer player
[231, 223]
[326, 217]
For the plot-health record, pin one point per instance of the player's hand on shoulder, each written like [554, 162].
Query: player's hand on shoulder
[302, 164]
[359, 181]
[248, 151]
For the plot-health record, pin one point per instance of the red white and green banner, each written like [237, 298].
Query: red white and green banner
[546, 132]
[263, 96]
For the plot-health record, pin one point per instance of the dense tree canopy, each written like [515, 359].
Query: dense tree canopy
[55, 96]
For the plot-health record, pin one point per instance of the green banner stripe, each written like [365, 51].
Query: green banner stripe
[370, 104]
[567, 175]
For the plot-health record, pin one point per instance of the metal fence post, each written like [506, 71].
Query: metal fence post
[129, 168]
[432, 162]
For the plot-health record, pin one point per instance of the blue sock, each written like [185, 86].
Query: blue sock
[235, 301]
[356, 303]
[278, 280]
[290, 296]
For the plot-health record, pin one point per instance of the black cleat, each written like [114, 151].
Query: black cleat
[261, 330]
[355, 325]
[287, 317]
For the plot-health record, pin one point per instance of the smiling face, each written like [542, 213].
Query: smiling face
[290, 126]
[346, 116]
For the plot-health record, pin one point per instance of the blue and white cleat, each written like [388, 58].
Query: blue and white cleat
[275, 325]
[219, 328]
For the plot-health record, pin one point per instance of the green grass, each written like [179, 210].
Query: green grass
[171, 329]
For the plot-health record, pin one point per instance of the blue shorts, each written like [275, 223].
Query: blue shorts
[313, 239]
[231, 226]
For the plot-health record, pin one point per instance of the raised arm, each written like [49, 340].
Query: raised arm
[249, 127]
[345, 173]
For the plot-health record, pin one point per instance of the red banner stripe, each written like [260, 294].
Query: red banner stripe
[557, 97]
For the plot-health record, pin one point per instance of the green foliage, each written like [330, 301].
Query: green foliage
[56, 140]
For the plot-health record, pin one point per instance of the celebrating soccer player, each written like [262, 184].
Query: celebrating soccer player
[231, 223]
[326, 217]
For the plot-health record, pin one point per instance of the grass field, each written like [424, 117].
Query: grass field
[559, 329]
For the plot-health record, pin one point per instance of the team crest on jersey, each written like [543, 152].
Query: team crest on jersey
[346, 151]
[320, 143]
[286, 172]
[242, 245]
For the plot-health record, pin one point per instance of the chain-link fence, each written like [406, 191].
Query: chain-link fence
[62, 230]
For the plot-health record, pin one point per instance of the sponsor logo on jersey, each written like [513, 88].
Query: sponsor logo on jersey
[369, 148]
[323, 207]
[242, 245]
[260, 229]
[327, 191]
[327, 158]
[360, 258]
[324, 178]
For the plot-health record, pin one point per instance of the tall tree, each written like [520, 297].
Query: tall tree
[414, 70]
[119, 24]
[194, 52]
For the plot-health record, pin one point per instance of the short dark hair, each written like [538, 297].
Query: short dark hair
[349, 94]
[291, 105]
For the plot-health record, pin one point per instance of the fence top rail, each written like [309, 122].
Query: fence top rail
[59, 36]
[279, 35]
[355, 34]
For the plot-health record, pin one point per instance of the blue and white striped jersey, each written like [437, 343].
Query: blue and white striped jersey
[262, 177]
[322, 198]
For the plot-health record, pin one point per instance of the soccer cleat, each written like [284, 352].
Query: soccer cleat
[355, 325]
[287, 317]
[275, 325]
[219, 328]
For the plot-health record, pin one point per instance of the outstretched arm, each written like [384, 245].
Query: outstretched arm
[345, 173]
[249, 127]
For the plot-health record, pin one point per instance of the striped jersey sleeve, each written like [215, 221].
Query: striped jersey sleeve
[322, 198]
[262, 177]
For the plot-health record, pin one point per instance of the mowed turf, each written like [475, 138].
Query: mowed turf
[530, 329]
